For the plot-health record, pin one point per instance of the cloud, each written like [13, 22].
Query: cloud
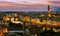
[33, 4]
[55, 3]
[31, 1]
[53, 0]
[10, 4]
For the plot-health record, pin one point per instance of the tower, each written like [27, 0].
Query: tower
[48, 11]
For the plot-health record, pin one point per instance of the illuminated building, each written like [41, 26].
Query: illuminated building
[6, 18]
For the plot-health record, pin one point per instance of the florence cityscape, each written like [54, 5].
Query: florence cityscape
[29, 17]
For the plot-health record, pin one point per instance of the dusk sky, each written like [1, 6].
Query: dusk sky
[29, 5]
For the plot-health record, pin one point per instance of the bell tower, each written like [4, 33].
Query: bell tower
[48, 11]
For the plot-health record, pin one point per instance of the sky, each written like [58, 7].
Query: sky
[29, 5]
